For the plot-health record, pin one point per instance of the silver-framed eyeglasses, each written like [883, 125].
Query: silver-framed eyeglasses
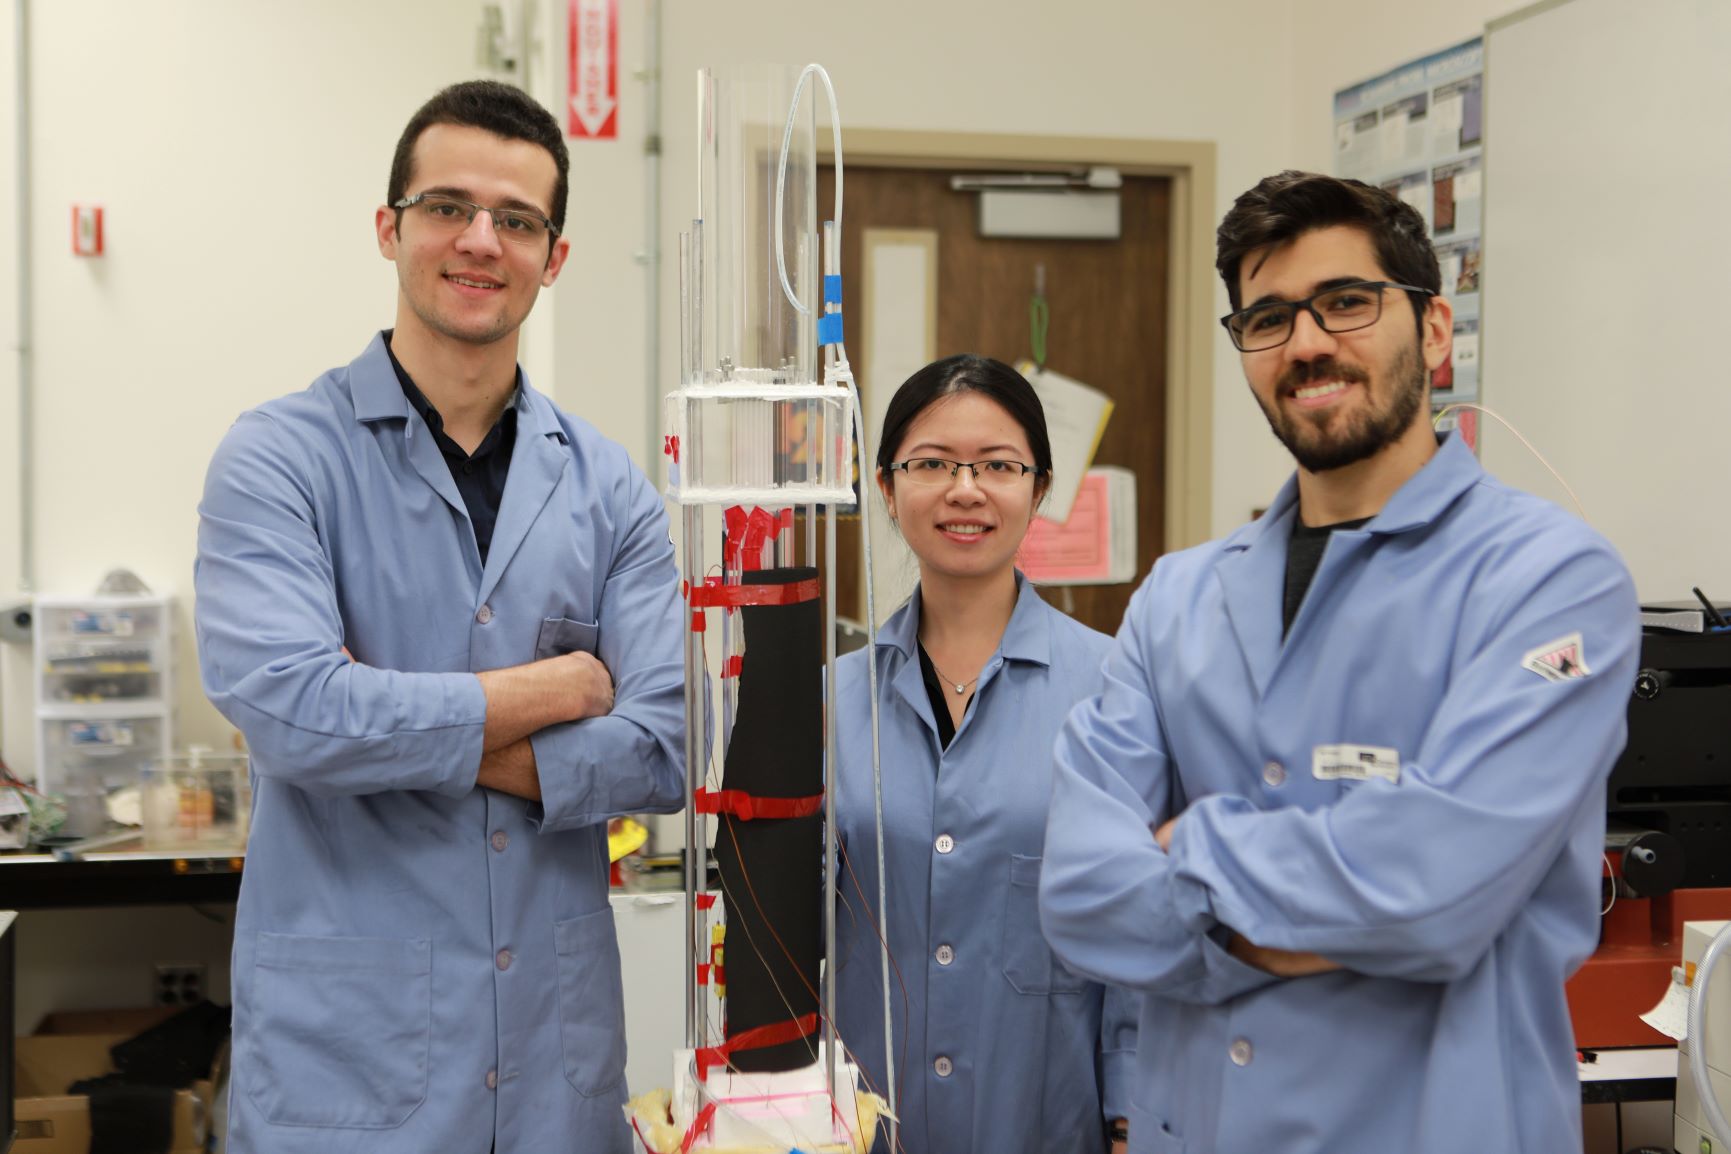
[1344, 308]
[454, 214]
[934, 471]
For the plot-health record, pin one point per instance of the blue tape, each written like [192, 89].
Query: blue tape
[832, 290]
[829, 329]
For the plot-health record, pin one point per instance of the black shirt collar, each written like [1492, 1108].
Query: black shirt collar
[504, 428]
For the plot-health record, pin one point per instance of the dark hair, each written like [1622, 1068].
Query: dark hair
[501, 109]
[963, 373]
[1282, 208]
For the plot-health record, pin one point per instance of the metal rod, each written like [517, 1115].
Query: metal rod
[694, 697]
[697, 358]
[830, 786]
[690, 528]
[829, 790]
[26, 384]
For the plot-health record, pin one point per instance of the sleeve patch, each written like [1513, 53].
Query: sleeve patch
[1561, 660]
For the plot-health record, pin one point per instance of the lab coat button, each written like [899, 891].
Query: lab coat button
[943, 1066]
[1274, 773]
[1240, 1052]
[501, 839]
[504, 959]
[492, 1079]
[945, 843]
[945, 955]
[484, 614]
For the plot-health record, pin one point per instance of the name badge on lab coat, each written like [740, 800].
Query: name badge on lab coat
[1355, 763]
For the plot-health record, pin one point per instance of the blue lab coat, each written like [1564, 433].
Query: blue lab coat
[1037, 1056]
[1458, 898]
[421, 965]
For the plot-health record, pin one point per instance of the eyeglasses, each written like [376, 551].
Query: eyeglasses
[452, 214]
[930, 472]
[1342, 309]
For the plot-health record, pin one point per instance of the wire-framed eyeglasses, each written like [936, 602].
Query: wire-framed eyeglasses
[454, 214]
[1343, 308]
[934, 471]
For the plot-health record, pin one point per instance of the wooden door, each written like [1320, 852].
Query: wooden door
[1108, 315]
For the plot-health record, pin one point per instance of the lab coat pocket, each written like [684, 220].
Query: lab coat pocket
[344, 1030]
[1028, 961]
[562, 635]
[591, 1002]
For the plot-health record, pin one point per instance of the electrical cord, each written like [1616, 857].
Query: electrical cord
[1447, 409]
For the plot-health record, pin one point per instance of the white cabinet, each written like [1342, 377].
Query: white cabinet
[104, 689]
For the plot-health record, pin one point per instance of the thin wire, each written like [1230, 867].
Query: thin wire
[907, 1007]
[745, 875]
[751, 943]
[1613, 876]
[1447, 409]
[711, 779]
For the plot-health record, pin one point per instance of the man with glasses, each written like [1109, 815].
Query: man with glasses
[445, 615]
[1340, 808]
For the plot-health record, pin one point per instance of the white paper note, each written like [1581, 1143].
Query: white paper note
[1076, 416]
[1671, 1016]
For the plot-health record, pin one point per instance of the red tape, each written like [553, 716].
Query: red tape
[746, 807]
[705, 901]
[760, 1038]
[733, 666]
[748, 533]
[699, 1124]
[733, 522]
[709, 595]
[760, 526]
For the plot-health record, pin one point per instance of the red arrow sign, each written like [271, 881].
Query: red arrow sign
[593, 68]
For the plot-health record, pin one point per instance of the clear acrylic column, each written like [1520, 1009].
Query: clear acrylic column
[751, 424]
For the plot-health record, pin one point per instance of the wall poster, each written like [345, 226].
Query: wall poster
[1418, 131]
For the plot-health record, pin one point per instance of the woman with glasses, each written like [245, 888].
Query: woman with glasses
[996, 1045]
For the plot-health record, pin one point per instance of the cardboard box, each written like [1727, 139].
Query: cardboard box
[125, 1022]
[51, 1121]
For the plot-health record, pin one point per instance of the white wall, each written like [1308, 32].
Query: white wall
[238, 150]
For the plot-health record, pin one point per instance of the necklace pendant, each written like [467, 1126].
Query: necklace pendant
[961, 688]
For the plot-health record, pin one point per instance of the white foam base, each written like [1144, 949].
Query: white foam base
[769, 1111]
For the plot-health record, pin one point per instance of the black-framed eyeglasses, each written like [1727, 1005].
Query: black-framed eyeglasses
[454, 214]
[1342, 309]
[942, 470]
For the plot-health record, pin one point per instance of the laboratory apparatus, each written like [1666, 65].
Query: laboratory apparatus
[760, 447]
